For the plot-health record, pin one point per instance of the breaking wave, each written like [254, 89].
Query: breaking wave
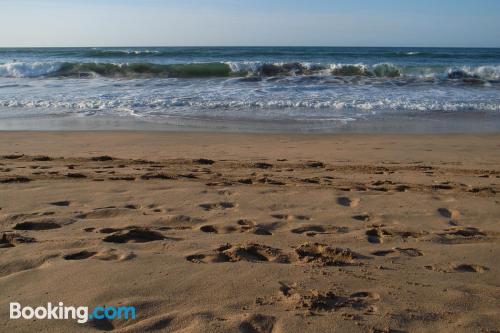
[25, 69]
[240, 69]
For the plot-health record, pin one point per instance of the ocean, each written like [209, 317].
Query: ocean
[298, 88]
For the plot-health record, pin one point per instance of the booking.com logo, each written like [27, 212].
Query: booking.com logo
[61, 312]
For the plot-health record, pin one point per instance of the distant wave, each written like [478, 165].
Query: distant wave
[279, 52]
[242, 69]
[250, 52]
[255, 52]
[119, 53]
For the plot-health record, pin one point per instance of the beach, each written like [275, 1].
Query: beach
[234, 232]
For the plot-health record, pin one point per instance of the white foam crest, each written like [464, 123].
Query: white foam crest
[487, 72]
[484, 72]
[136, 52]
[164, 106]
[339, 66]
[28, 69]
[244, 66]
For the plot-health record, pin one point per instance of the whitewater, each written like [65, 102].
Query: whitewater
[313, 87]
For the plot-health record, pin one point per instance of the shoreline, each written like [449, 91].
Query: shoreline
[413, 123]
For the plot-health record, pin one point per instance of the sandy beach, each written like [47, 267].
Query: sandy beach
[207, 232]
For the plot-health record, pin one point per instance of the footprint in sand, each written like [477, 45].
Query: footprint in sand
[134, 235]
[313, 230]
[12, 156]
[442, 186]
[378, 235]
[270, 181]
[157, 175]
[16, 179]
[262, 165]
[41, 159]
[215, 256]
[348, 202]
[12, 239]
[401, 188]
[258, 323]
[467, 232]
[364, 300]
[209, 229]
[256, 252]
[103, 158]
[218, 205]
[291, 217]
[243, 226]
[325, 255]
[250, 226]
[410, 252]
[249, 252]
[362, 217]
[104, 255]
[182, 220]
[224, 192]
[316, 301]
[449, 213]
[104, 324]
[257, 229]
[470, 268]
[47, 224]
[75, 175]
[314, 164]
[382, 253]
[64, 203]
[262, 231]
[132, 206]
[107, 212]
[108, 230]
[127, 178]
[203, 161]
[309, 230]
[461, 235]
[375, 235]
[310, 253]
[206, 258]
[23, 216]
[79, 255]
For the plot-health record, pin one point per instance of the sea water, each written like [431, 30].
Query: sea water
[313, 88]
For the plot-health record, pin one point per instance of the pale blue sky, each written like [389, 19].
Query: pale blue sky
[461, 23]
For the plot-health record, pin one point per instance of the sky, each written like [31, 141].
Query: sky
[434, 23]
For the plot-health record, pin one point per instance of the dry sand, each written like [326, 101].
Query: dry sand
[253, 233]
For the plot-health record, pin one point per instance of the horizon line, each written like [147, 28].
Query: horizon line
[255, 46]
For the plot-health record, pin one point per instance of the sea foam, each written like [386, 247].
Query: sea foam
[28, 69]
